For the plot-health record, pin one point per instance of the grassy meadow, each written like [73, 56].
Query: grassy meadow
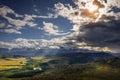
[58, 69]
[10, 63]
[11, 68]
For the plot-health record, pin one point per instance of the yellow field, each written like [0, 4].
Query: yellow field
[9, 63]
[42, 59]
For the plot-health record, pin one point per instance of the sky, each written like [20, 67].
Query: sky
[81, 24]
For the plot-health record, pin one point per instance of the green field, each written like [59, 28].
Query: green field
[11, 68]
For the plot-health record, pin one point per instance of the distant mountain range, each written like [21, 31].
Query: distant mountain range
[71, 55]
[72, 58]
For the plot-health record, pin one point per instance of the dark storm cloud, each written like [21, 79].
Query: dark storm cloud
[115, 9]
[102, 33]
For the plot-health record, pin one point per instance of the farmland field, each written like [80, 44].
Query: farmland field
[42, 59]
[9, 63]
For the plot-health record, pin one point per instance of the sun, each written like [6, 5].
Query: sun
[93, 8]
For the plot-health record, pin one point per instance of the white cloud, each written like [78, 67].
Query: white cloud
[17, 24]
[20, 21]
[34, 43]
[76, 28]
[11, 31]
[50, 28]
[8, 45]
[31, 43]
[4, 10]
[31, 24]
[83, 45]
[28, 17]
[49, 15]
[17, 43]
[114, 3]
[31, 17]
[54, 47]
[23, 43]
[80, 15]
[73, 14]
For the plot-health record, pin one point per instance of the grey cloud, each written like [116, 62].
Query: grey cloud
[2, 25]
[101, 33]
[115, 9]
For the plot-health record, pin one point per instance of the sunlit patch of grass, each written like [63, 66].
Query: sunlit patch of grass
[103, 68]
[10, 67]
[9, 63]
[41, 59]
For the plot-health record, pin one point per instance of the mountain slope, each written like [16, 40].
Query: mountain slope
[73, 58]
